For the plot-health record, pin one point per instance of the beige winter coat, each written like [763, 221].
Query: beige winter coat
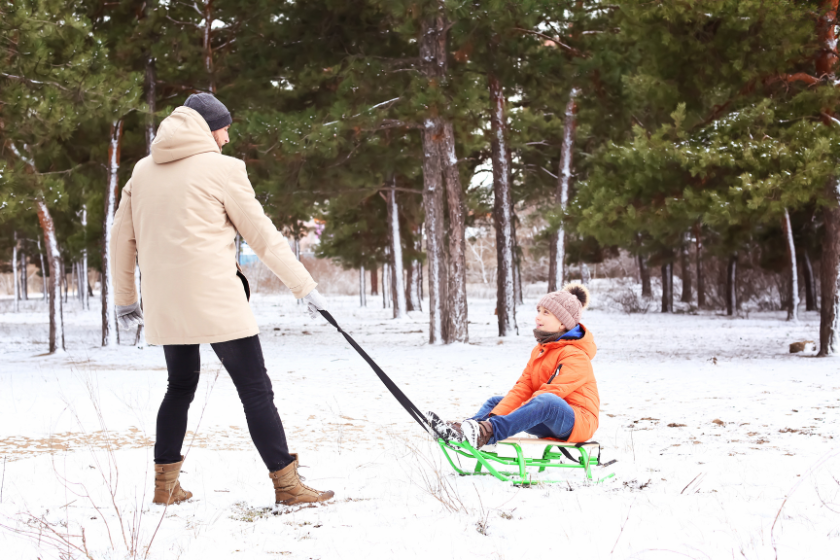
[179, 213]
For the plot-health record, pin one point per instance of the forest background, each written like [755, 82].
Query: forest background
[690, 135]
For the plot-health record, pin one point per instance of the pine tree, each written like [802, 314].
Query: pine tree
[54, 79]
[721, 133]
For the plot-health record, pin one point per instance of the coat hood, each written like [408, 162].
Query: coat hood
[586, 343]
[182, 134]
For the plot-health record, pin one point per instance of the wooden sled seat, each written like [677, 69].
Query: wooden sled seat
[556, 454]
[547, 441]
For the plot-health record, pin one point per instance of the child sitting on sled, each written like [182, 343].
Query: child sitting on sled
[556, 396]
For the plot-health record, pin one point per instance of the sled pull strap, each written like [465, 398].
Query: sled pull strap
[415, 413]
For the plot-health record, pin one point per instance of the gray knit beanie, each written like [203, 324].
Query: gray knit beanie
[567, 304]
[213, 110]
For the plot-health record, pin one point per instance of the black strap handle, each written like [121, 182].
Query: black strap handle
[415, 413]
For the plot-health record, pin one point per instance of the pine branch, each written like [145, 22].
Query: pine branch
[386, 124]
[557, 42]
[183, 23]
[33, 82]
[797, 77]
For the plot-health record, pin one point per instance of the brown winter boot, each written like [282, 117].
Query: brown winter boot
[288, 488]
[477, 433]
[168, 490]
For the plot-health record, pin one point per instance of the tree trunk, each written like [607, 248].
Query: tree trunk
[505, 270]
[150, 84]
[457, 274]
[564, 178]
[413, 290]
[374, 281]
[417, 286]
[438, 163]
[362, 289]
[64, 280]
[517, 271]
[685, 266]
[667, 270]
[810, 282]
[644, 275]
[15, 274]
[385, 279]
[433, 206]
[409, 285]
[397, 287]
[420, 284]
[44, 274]
[24, 276]
[109, 327]
[585, 276]
[701, 279]
[793, 291]
[295, 249]
[830, 277]
[84, 263]
[54, 260]
[73, 280]
[77, 272]
[151, 97]
[208, 46]
[411, 276]
[732, 284]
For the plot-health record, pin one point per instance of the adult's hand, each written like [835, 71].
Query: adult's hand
[130, 316]
[314, 301]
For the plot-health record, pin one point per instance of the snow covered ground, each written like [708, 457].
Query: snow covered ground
[725, 444]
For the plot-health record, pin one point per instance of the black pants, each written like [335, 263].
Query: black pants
[243, 360]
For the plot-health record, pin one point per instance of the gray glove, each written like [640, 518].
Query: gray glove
[130, 316]
[314, 301]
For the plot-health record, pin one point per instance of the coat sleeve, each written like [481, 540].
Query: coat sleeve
[124, 251]
[247, 215]
[575, 373]
[520, 393]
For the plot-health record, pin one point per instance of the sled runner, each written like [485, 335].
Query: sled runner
[550, 459]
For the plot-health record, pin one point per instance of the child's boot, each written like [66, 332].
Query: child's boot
[477, 433]
[168, 490]
[288, 488]
[449, 431]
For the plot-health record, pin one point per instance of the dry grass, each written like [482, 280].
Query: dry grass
[128, 535]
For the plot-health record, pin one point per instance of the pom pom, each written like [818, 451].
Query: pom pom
[579, 291]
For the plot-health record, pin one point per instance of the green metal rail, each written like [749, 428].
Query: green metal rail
[549, 459]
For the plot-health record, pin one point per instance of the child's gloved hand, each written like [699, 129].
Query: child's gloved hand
[314, 301]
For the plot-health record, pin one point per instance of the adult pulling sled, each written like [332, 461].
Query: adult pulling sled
[554, 456]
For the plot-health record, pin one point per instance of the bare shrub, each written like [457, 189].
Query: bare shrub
[332, 278]
[624, 265]
[756, 288]
[626, 299]
[481, 255]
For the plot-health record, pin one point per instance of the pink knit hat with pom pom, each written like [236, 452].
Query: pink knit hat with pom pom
[567, 304]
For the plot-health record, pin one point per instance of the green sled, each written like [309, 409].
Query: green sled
[549, 460]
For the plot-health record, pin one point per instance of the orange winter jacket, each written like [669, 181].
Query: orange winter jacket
[575, 382]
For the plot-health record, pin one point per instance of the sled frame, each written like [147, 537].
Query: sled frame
[551, 458]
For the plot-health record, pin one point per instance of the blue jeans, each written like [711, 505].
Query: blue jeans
[544, 416]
